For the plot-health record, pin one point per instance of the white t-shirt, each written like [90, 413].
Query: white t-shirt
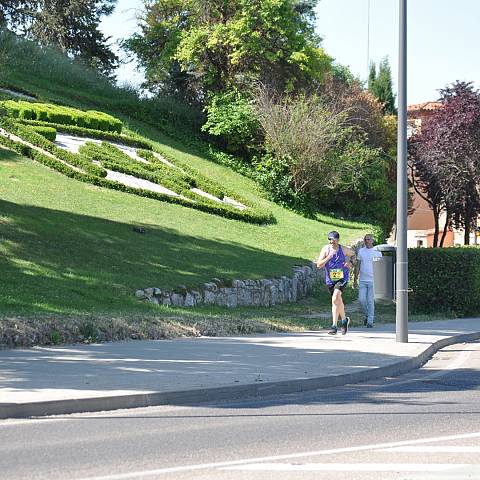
[366, 256]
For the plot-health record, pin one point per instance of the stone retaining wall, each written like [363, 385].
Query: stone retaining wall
[264, 293]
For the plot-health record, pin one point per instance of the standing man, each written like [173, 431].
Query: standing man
[337, 261]
[364, 266]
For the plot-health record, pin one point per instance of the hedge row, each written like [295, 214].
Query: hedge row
[48, 132]
[156, 171]
[175, 173]
[114, 159]
[204, 205]
[88, 132]
[29, 135]
[47, 112]
[203, 182]
[444, 280]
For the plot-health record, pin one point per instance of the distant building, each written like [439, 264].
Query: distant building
[419, 112]
[420, 224]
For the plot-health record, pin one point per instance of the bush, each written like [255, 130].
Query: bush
[28, 134]
[444, 280]
[113, 158]
[231, 117]
[47, 112]
[88, 132]
[48, 132]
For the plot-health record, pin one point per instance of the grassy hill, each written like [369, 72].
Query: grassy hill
[69, 248]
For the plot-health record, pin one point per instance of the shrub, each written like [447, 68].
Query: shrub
[231, 117]
[72, 159]
[444, 280]
[48, 132]
[88, 132]
[47, 112]
[115, 159]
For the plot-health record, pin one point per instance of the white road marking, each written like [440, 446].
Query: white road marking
[434, 449]
[204, 466]
[350, 467]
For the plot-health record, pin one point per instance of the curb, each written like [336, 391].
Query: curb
[237, 392]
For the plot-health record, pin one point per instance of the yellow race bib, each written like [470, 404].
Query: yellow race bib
[336, 274]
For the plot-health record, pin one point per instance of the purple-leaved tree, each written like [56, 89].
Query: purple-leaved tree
[445, 159]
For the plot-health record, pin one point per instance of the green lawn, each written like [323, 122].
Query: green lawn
[70, 247]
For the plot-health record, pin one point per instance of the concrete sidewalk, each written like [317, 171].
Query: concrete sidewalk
[79, 378]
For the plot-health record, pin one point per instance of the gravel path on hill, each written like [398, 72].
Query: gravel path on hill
[17, 94]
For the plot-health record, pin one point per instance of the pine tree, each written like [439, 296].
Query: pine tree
[372, 77]
[380, 85]
[71, 25]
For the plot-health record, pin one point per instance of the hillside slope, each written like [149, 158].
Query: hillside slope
[71, 247]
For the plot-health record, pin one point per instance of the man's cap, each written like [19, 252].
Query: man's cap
[333, 234]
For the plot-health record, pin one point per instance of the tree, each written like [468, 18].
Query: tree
[223, 44]
[381, 86]
[70, 25]
[446, 156]
[424, 176]
[16, 13]
[326, 159]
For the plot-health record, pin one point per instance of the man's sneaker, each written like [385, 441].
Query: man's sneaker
[332, 331]
[369, 325]
[365, 321]
[345, 324]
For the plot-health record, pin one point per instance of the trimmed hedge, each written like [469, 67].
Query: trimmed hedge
[48, 132]
[114, 159]
[444, 280]
[29, 135]
[88, 132]
[48, 112]
[250, 215]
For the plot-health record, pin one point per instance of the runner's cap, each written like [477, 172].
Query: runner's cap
[333, 235]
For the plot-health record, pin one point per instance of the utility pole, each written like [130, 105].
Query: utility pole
[368, 38]
[402, 184]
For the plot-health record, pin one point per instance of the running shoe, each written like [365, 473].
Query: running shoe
[332, 331]
[345, 324]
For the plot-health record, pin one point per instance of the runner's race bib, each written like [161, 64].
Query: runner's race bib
[336, 274]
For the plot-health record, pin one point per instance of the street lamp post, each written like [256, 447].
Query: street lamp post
[402, 184]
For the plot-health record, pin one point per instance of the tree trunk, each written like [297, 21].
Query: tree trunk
[445, 228]
[466, 238]
[468, 223]
[436, 217]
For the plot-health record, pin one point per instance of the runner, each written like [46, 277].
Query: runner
[337, 261]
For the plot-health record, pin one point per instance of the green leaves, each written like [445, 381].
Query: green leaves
[225, 44]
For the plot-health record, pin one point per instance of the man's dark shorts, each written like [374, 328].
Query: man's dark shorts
[340, 285]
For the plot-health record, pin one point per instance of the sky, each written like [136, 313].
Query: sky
[442, 45]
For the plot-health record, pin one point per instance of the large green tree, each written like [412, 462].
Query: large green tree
[196, 47]
[71, 25]
[16, 13]
[380, 84]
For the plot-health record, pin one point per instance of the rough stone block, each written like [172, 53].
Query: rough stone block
[209, 297]
[177, 299]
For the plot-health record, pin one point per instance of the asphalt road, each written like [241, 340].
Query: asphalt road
[423, 425]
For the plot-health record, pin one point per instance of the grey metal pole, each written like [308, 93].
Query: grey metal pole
[368, 38]
[402, 184]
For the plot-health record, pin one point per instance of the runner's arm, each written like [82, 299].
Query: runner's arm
[323, 258]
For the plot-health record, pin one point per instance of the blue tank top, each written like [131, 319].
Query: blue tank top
[335, 271]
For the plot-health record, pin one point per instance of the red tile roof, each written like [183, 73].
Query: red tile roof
[424, 106]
